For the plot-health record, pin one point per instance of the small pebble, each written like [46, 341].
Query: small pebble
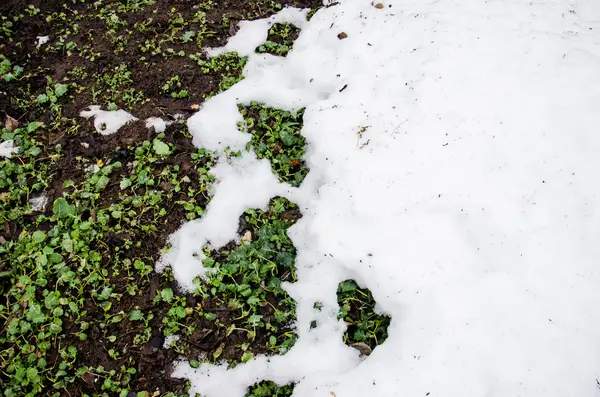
[342, 36]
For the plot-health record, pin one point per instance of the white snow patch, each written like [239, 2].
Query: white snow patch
[41, 40]
[467, 206]
[159, 124]
[107, 122]
[7, 149]
[93, 168]
[251, 34]
[170, 340]
[39, 203]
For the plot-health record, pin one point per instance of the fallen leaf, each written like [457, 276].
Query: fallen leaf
[342, 36]
[379, 6]
[332, 393]
[11, 124]
[100, 163]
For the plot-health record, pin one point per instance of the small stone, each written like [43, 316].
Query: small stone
[363, 348]
[379, 6]
[342, 36]
[247, 236]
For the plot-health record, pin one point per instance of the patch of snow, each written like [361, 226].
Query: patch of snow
[41, 40]
[170, 340]
[39, 203]
[93, 168]
[467, 206]
[251, 34]
[85, 145]
[7, 149]
[159, 124]
[107, 122]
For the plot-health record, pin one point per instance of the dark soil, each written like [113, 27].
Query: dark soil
[152, 361]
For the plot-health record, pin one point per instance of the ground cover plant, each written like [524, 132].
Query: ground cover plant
[276, 137]
[84, 217]
[366, 328]
[280, 39]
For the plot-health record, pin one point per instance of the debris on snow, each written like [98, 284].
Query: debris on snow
[107, 122]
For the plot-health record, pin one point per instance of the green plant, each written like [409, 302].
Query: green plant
[270, 389]
[276, 137]
[174, 88]
[357, 309]
[280, 39]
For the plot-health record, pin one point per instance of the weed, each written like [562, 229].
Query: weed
[276, 137]
[270, 389]
[357, 309]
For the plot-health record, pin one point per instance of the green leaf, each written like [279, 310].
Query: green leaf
[247, 356]
[35, 315]
[42, 98]
[51, 299]
[60, 89]
[180, 312]
[125, 183]
[166, 294]
[38, 236]
[67, 244]
[161, 148]
[62, 209]
[136, 315]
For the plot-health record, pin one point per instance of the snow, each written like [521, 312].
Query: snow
[7, 149]
[41, 40]
[157, 123]
[38, 203]
[107, 122]
[170, 340]
[454, 177]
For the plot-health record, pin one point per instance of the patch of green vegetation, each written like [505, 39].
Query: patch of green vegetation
[270, 389]
[174, 88]
[276, 137]
[357, 309]
[229, 66]
[246, 280]
[115, 87]
[280, 39]
[58, 288]
[22, 180]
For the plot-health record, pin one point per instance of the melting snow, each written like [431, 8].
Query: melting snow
[41, 40]
[455, 177]
[7, 149]
[39, 203]
[107, 122]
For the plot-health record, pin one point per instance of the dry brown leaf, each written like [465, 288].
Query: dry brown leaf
[11, 124]
[342, 36]
[379, 6]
